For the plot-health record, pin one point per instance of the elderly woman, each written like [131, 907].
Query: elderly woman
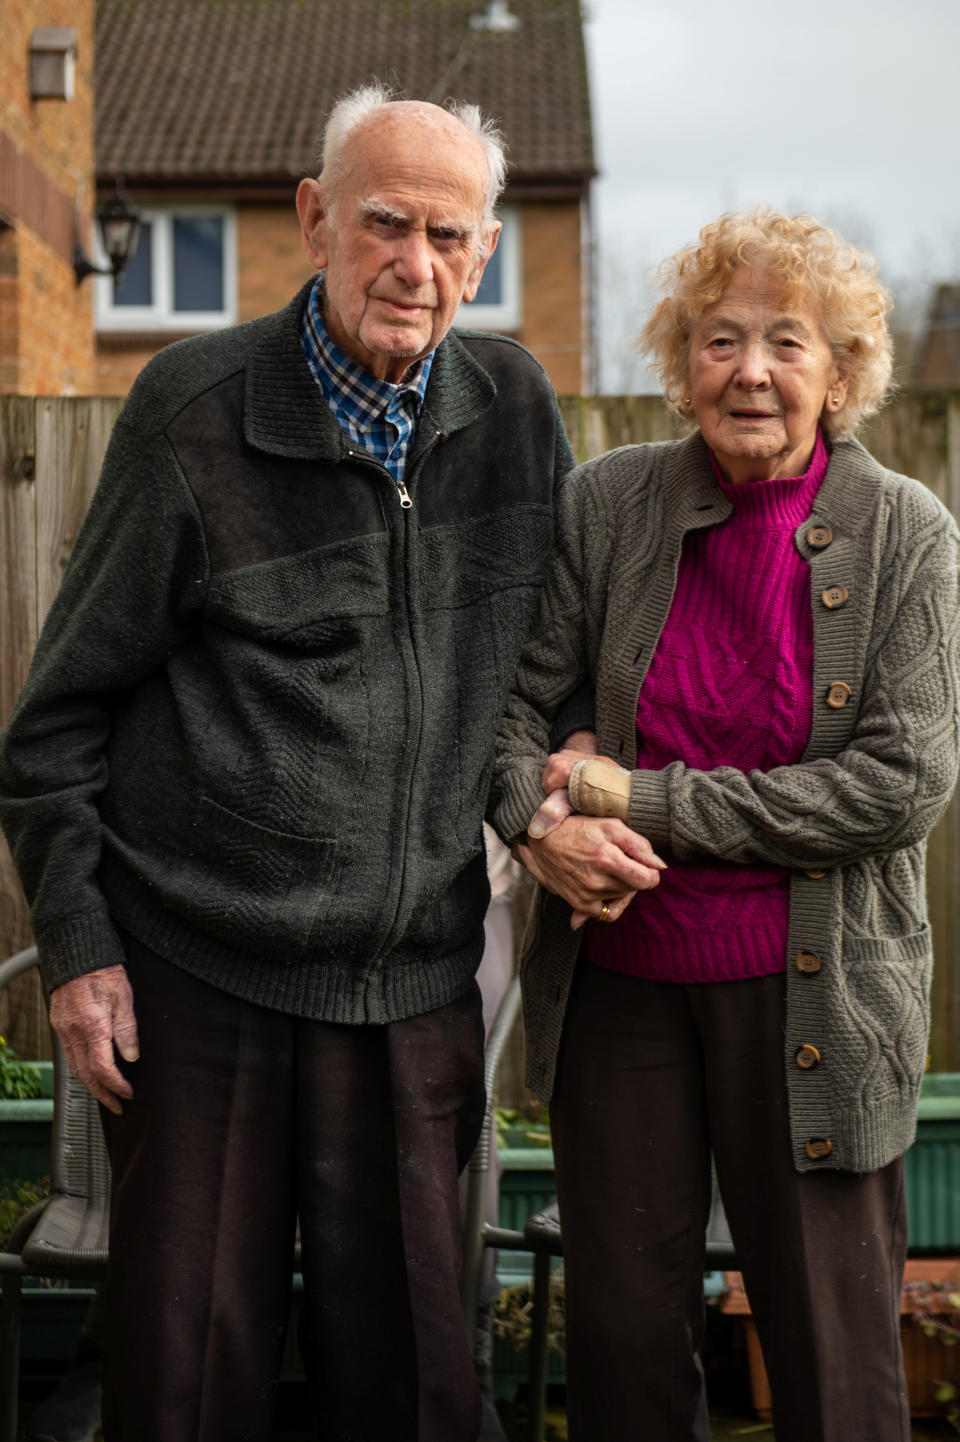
[770, 622]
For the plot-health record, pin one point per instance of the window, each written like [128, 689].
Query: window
[498, 303]
[182, 277]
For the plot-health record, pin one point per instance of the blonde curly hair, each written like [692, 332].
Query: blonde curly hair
[814, 263]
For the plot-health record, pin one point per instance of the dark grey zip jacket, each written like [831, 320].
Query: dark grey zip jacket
[258, 728]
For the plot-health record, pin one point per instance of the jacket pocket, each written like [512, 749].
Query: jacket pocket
[263, 889]
[885, 1011]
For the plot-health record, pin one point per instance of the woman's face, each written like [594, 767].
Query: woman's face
[760, 373]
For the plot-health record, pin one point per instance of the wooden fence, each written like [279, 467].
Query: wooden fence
[50, 453]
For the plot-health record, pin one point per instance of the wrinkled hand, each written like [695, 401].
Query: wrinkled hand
[590, 860]
[581, 746]
[90, 1015]
[583, 742]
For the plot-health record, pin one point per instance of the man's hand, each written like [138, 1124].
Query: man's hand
[91, 1015]
[580, 746]
[592, 861]
[577, 747]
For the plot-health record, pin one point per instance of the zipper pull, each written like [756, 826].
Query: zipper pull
[405, 501]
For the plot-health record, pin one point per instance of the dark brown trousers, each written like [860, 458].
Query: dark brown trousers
[652, 1077]
[243, 1119]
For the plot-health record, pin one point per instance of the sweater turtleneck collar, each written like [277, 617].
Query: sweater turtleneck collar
[790, 497]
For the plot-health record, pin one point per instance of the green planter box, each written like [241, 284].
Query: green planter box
[526, 1186]
[25, 1133]
[52, 1318]
[932, 1165]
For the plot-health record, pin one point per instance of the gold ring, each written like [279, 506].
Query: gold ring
[605, 911]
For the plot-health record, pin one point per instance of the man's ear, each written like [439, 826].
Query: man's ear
[491, 236]
[312, 211]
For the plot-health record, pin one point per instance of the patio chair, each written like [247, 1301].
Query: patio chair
[541, 1233]
[64, 1236]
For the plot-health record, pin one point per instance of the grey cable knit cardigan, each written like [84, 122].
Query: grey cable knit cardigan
[849, 820]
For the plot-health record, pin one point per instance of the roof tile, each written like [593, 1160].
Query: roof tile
[238, 90]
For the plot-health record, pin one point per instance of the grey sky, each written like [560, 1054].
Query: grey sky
[845, 108]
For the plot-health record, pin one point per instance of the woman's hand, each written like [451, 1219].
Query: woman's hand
[592, 862]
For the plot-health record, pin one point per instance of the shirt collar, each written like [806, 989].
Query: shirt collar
[340, 378]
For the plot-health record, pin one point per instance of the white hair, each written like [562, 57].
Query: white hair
[357, 106]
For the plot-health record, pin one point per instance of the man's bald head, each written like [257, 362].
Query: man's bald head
[377, 101]
[400, 221]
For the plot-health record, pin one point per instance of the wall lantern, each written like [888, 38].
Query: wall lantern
[53, 55]
[119, 224]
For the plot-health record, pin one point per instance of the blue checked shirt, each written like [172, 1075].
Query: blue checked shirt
[378, 416]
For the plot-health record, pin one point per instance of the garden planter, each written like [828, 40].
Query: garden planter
[526, 1186]
[25, 1133]
[928, 1363]
[52, 1318]
[932, 1166]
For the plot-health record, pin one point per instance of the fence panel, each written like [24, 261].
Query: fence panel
[50, 453]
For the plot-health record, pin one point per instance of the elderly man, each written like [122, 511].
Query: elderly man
[244, 787]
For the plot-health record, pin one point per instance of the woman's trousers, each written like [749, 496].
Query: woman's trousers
[652, 1078]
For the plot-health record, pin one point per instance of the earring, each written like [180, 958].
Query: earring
[686, 400]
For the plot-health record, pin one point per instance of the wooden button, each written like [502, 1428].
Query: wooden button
[808, 963]
[818, 1147]
[807, 1056]
[838, 695]
[818, 537]
[834, 597]
[815, 873]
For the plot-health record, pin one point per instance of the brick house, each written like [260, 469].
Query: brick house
[211, 110]
[46, 196]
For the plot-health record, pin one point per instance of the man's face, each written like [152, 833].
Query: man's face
[402, 238]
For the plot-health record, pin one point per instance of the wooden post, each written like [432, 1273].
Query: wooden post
[22, 1016]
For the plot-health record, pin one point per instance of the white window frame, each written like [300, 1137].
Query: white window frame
[508, 314]
[160, 315]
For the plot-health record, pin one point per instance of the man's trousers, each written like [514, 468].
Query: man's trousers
[652, 1077]
[244, 1119]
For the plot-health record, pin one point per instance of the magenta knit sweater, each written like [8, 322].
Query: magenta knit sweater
[730, 684]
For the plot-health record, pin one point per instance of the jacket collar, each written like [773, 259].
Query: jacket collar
[285, 413]
[848, 494]
[691, 492]
[845, 500]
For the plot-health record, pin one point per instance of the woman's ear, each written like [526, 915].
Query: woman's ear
[836, 393]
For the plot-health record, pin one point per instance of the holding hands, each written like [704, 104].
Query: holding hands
[594, 861]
